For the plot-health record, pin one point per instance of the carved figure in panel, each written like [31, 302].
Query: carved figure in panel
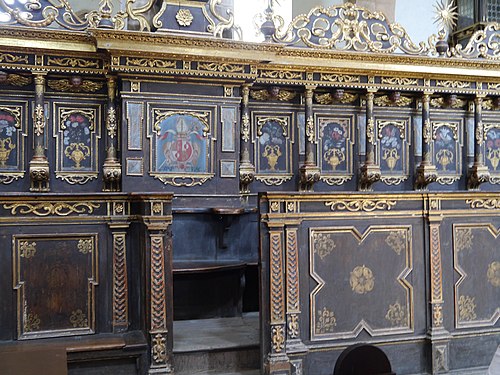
[182, 145]
[335, 148]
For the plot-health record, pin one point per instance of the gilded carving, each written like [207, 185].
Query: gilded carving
[281, 95]
[77, 152]
[435, 264]
[362, 280]
[184, 17]
[10, 58]
[310, 129]
[39, 120]
[221, 67]
[273, 180]
[326, 321]
[159, 349]
[120, 300]
[355, 205]
[463, 239]
[277, 290]
[245, 127]
[111, 124]
[443, 103]
[388, 101]
[490, 204]
[278, 339]
[49, 208]
[31, 322]
[26, 249]
[493, 274]
[65, 85]
[85, 246]
[453, 84]
[427, 131]
[292, 273]
[187, 181]
[328, 98]
[370, 130]
[14, 79]
[340, 78]
[157, 208]
[323, 244]
[150, 63]
[396, 314]
[280, 74]
[293, 326]
[466, 308]
[78, 319]
[73, 62]
[397, 241]
[158, 301]
[398, 81]
[437, 315]
[481, 44]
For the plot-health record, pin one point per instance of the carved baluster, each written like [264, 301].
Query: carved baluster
[247, 170]
[112, 172]
[426, 171]
[39, 165]
[478, 173]
[309, 172]
[370, 171]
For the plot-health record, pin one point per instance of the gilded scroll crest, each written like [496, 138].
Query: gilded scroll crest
[483, 43]
[349, 27]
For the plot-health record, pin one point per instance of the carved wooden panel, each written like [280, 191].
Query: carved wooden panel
[55, 277]
[345, 265]
[477, 262]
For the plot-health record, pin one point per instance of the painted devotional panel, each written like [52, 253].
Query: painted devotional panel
[393, 143]
[273, 139]
[12, 141]
[446, 148]
[77, 132]
[492, 150]
[181, 146]
[345, 266]
[335, 148]
[55, 278]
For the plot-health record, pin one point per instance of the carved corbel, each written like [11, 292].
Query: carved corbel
[309, 172]
[426, 172]
[247, 169]
[369, 171]
[39, 164]
[478, 173]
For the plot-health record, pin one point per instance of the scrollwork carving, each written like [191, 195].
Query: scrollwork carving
[49, 208]
[356, 205]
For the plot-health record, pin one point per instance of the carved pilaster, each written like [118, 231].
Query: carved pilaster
[479, 172]
[39, 165]
[426, 172]
[277, 361]
[160, 295]
[112, 171]
[369, 171]
[309, 171]
[120, 279]
[247, 169]
[437, 334]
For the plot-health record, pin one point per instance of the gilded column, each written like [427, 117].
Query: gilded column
[309, 171]
[247, 169]
[39, 164]
[370, 171]
[478, 173]
[112, 172]
[426, 171]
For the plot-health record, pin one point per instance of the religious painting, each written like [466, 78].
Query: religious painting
[228, 121]
[446, 151]
[335, 149]
[492, 146]
[77, 151]
[392, 150]
[181, 146]
[10, 127]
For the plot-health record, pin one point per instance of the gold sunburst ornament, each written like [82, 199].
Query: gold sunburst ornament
[446, 16]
